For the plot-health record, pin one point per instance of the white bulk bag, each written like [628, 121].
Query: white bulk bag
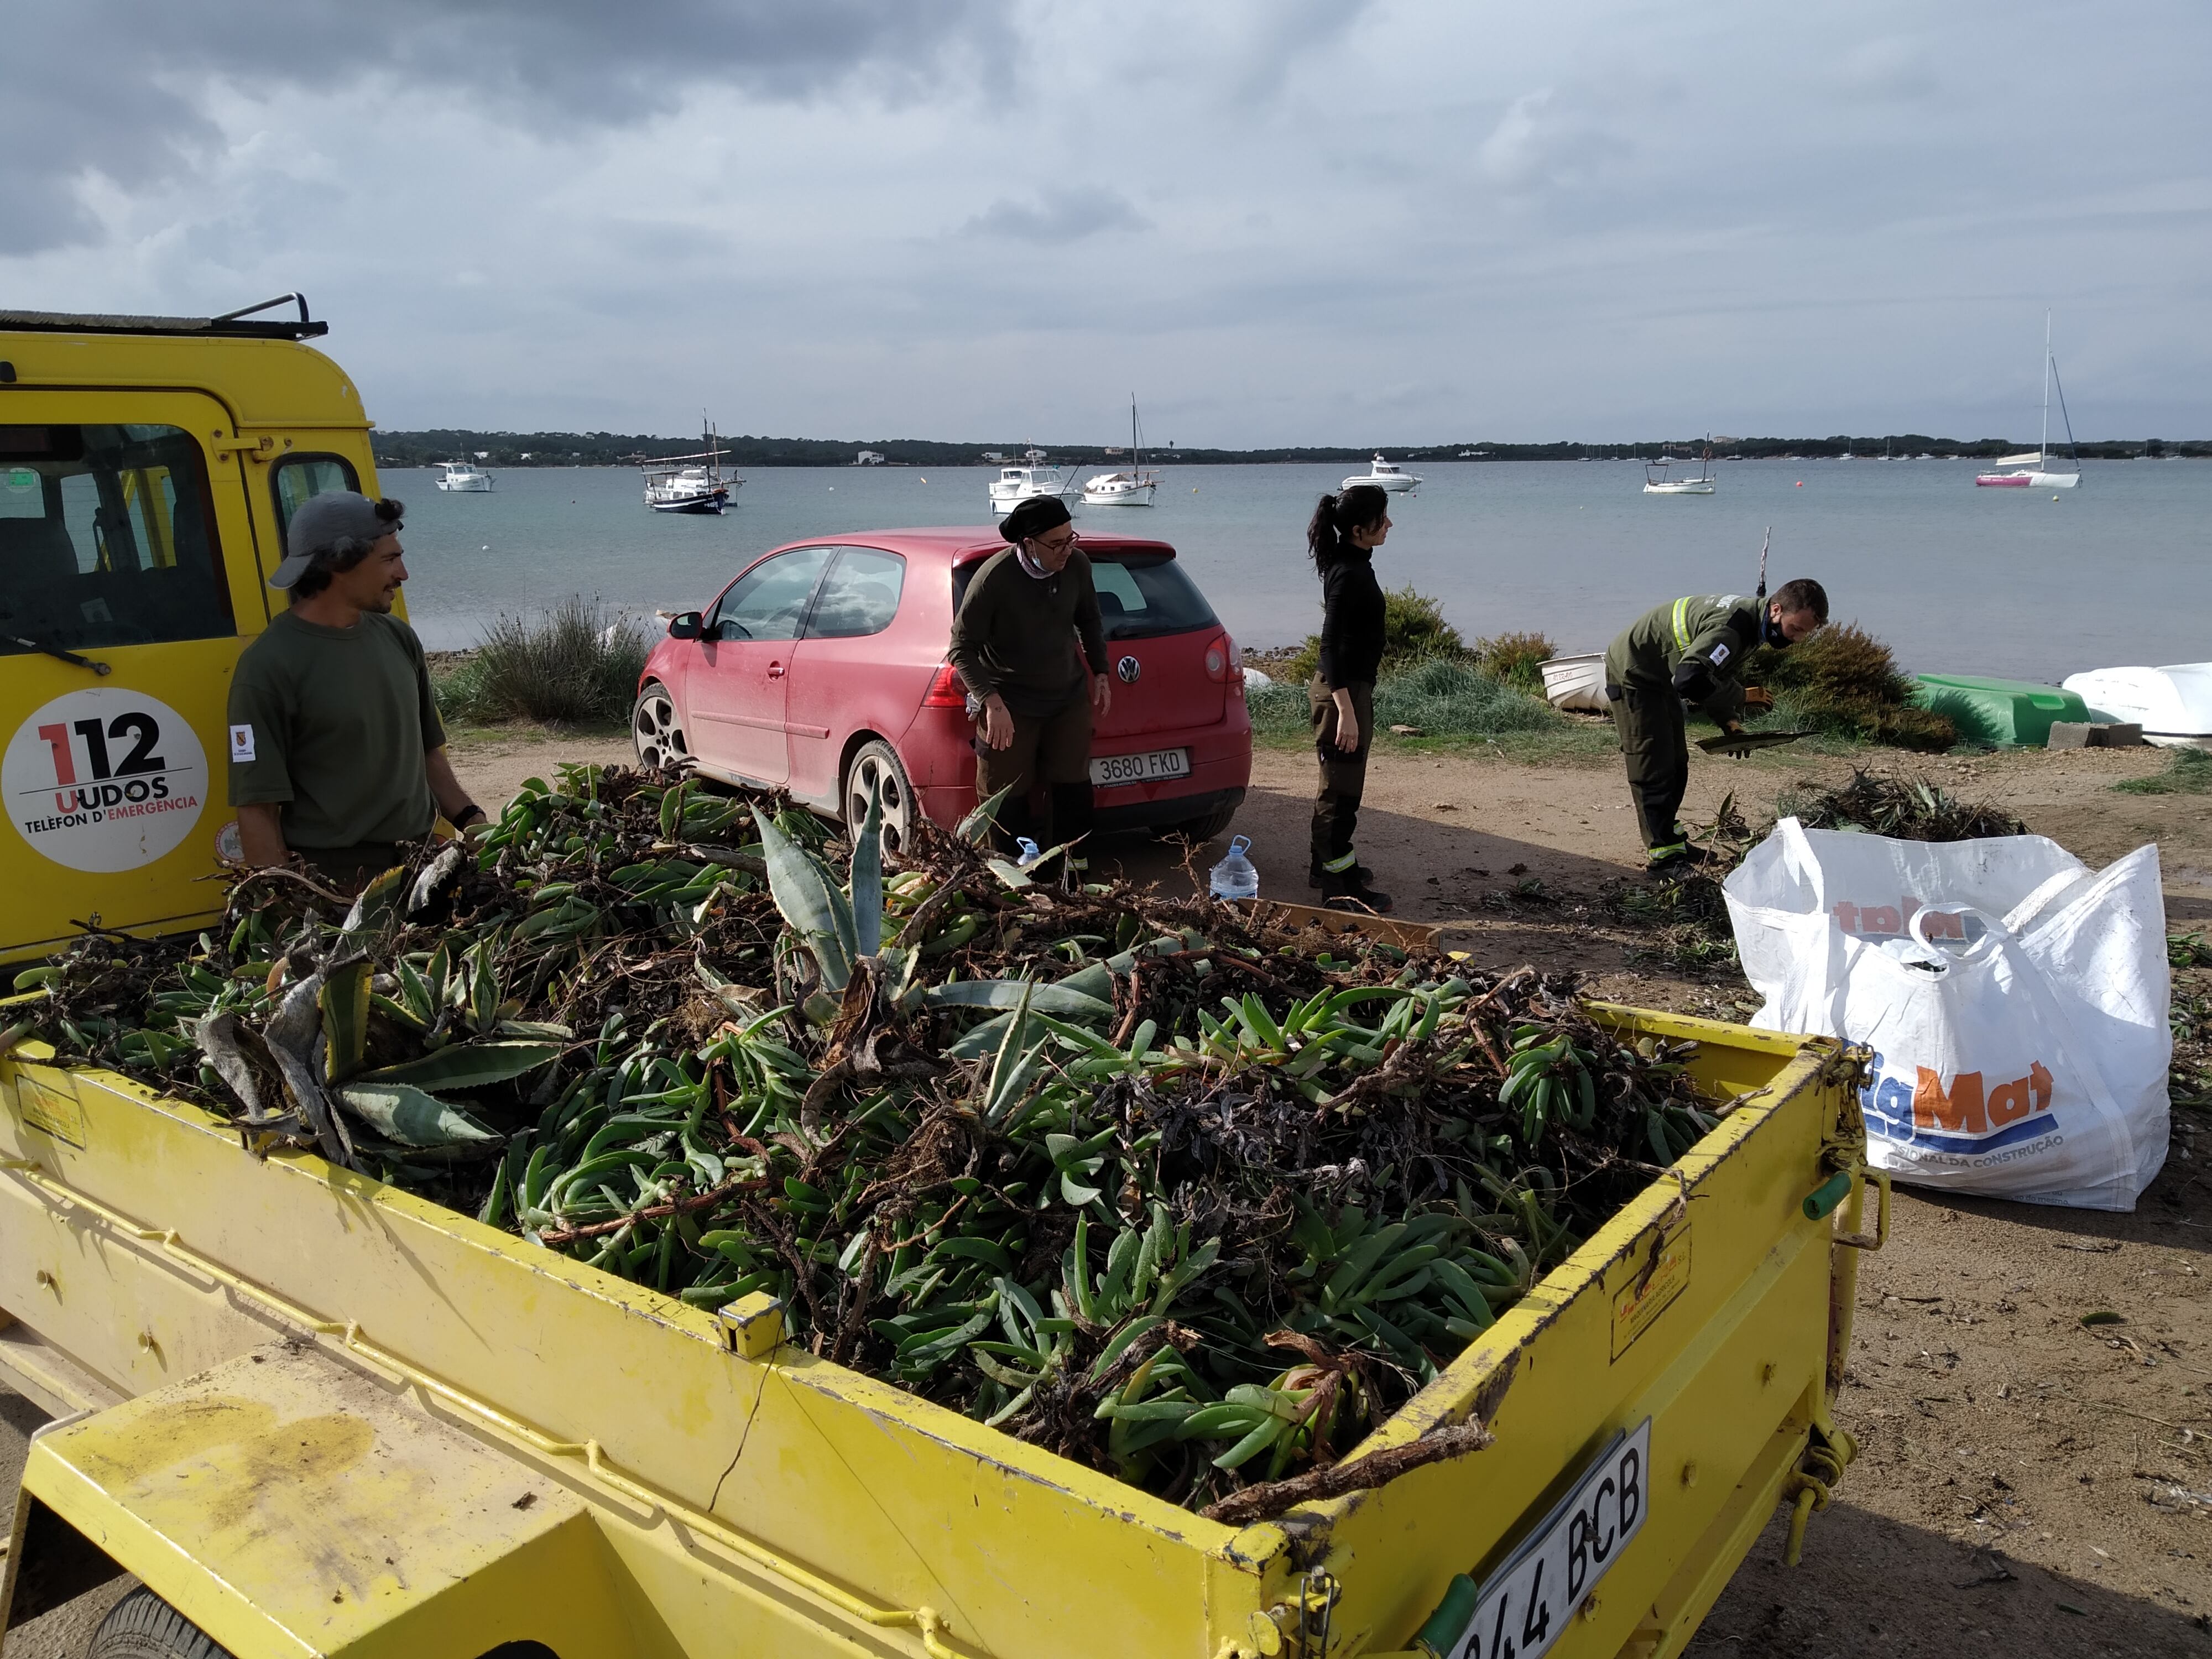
[2015, 998]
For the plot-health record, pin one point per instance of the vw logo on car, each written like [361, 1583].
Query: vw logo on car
[1127, 670]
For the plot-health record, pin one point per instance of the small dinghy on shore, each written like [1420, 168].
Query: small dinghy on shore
[1575, 683]
[2173, 704]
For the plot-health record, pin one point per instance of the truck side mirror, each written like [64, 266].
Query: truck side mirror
[684, 626]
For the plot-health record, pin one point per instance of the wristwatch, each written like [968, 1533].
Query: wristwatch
[470, 814]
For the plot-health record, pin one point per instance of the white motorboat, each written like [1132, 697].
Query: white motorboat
[1385, 474]
[1658, 478]
[1575, 683]
[2174, 705]
[2032, 470]
[464, 477]
[1032, 478]
[689, 483]
[1132, 488]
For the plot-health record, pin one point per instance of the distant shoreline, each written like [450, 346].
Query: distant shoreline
[569, 449]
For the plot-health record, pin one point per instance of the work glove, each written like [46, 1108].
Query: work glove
[1759, 700]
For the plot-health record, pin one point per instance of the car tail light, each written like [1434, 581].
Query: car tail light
[1224, 661]
[946, 691]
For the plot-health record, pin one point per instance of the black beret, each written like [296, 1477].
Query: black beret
[1033, 516]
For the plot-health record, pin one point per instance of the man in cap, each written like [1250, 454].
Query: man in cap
[337, 752]
[1015, 645]
[1692, 650]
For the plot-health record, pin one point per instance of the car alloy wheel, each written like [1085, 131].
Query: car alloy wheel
[876, 767]
[658, 731]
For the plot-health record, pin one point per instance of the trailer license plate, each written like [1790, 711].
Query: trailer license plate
[1525, 1605]
[1111, 770]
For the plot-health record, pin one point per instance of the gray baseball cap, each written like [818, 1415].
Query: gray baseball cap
[321, 522]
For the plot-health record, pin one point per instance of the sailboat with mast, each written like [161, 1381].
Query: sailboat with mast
[2031, 470]
[1132, 488]
[690, 483]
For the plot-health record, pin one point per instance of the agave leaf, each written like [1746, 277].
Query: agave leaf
[344, 1003]
[976, 828]
[804, 892]
[401, 1112]
[868, 880]
[1017, 993]
[468, 1065]
[379, 904]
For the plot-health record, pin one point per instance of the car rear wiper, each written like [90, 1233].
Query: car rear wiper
[44, 648]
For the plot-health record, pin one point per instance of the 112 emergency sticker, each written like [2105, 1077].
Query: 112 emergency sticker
[104, 780]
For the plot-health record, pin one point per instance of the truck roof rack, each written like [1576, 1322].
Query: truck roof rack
[234, 324]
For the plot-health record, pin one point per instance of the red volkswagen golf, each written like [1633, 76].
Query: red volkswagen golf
[821, 670]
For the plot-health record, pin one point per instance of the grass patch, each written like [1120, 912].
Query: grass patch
[2188, 772]
[1442, 698]
[1845, 683]
[572, 663]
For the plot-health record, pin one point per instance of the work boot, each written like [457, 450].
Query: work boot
[1678, 860]
[1353, 889]
[1316, 877]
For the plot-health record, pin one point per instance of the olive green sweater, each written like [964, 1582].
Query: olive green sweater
[1017, 633]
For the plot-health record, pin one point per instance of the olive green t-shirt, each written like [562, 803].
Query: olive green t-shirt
[332, 724]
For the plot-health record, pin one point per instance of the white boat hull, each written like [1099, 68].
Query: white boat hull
[2172, 704]
[1140, 496]
[479, 485]
[1399, 484]
[1685, 487]
[1577, 682]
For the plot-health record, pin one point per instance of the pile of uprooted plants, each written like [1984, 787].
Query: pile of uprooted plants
[1144, 1182]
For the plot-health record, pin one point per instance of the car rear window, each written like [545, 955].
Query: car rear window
[1141, 595]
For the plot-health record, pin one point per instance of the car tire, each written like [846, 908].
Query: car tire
[141, 1626]
[656, 730]
[1205, 829]
[876, 765]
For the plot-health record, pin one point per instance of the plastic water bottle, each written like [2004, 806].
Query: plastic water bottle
[1029, 851]
[1234, 878]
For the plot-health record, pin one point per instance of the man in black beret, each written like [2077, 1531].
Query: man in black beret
[1029, 646]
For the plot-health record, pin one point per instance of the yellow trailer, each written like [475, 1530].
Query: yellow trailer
[318, 1415]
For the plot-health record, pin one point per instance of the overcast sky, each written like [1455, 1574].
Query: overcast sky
[1274, 220]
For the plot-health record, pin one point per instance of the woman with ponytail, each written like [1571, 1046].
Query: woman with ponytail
[1346, 531]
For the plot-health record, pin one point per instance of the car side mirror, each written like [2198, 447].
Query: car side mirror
[686, 626]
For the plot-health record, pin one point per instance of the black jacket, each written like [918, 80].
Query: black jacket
[1351, 620]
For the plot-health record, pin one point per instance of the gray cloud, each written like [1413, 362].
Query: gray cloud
[104, 88]
[1072, 214]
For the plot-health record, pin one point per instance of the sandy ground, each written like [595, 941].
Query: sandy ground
[2026, 1484]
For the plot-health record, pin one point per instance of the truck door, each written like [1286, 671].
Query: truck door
[126, 545]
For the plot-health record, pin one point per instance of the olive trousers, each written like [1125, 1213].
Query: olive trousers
[1052, 749]
[1343, 776]
[1655, 739]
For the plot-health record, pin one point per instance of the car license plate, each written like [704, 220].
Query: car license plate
[1111, 770]
[1525, 1605]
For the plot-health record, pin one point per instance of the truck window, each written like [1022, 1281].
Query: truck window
[296, 477]
[106, 538]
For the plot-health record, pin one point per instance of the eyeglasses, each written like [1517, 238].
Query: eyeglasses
[1068, 540]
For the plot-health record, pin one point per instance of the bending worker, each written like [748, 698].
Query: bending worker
[1692, 650]
[1029, 646]
[337, 752]
[1342, 536]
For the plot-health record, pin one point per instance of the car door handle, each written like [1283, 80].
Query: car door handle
[775, 671]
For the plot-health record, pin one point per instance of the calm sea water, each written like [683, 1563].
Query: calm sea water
[2011, 582]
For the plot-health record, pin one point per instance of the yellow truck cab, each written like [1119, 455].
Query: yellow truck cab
[147, 468]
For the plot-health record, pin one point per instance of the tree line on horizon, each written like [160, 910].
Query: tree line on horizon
[426, 448]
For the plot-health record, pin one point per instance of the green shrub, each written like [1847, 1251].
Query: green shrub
[1514, 659]
[1444, 698]
[1845, 683]
[572, 663]
[1413, 628]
